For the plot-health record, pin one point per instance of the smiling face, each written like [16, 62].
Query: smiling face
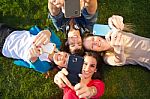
[95, 43]
[61, 59]
[89, 66]
[74, 40]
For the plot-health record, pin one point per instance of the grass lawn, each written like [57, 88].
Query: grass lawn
[127, 82]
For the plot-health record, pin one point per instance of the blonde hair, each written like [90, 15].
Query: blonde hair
[129, 27]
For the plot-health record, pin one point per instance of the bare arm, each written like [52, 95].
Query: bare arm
[91, 6]
[55, 6]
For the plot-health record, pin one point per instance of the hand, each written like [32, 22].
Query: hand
[57, 3]
[115, 39]
[33, 53]
[116, 22]
[82, 90]
[42, 38]
[61, 80]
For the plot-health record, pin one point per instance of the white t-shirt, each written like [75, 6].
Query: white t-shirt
[17, 44]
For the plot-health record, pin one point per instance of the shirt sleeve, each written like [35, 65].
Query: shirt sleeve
[100, 86]
[109, 58]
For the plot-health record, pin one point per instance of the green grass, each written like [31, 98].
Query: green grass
[127, 82]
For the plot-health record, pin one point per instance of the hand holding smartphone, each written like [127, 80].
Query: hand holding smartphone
[72, 8]
[48, 48]
[100, 29]
[74, 68]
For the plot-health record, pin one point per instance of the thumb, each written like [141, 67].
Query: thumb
[82, 77]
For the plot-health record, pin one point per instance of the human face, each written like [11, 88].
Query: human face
[89, 67]
[61, 59]
[74, 40]
[95, 43]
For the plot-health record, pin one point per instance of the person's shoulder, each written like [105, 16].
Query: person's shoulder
[96, 81]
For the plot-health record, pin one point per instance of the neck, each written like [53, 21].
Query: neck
[87, 80]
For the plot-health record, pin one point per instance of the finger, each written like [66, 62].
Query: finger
[115, 22]
[113, 37]
[64, 71]
[110, 22]
[84, 95]
[107, 36]
[32, 51]
[81, 91]
[82, 78]
[118, 22]
[46, 41]
[118, 39]
[77, 86]
[63, 77]
[59, 82]
[39, 40]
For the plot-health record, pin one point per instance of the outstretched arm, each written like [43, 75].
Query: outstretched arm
[116, 22]
[91, 6]
[95, 90]
[115, 39]
[61, 80]
[55, 6]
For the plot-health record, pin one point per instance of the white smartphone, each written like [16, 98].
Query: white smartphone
[48, 48]
[72, 8]
[100, 29]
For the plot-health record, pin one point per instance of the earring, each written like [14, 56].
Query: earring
[67, 28]
[76, 27]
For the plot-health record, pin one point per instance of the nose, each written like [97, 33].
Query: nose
[95, 43]
[60, 57]
[86, 68]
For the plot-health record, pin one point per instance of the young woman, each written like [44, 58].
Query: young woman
[71, 28]
[26, 47]
[120, 47]
[89, 86]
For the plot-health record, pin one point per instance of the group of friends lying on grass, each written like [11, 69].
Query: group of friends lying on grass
[42, 50]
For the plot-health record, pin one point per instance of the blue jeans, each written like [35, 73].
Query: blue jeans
[86, 20]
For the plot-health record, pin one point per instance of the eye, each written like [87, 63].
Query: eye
[85, 63]
[80, 44]
[92, 65]
[72, 45]
[66, 56]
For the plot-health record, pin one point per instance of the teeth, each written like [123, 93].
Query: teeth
[75, 36]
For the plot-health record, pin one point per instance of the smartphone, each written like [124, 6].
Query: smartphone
[48, 48]
[100, 29]
[72, 8]
[74, 68]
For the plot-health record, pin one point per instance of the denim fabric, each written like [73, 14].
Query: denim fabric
[86, 20]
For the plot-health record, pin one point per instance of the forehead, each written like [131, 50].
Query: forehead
[90, 59]
[62, 53]
[73, 31]
[88, 38]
